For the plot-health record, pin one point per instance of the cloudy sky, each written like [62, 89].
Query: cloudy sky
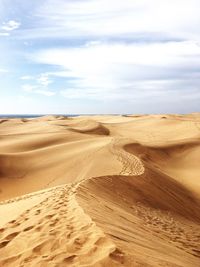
[99, 56]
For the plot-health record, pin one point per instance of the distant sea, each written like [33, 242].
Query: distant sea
[34, 115]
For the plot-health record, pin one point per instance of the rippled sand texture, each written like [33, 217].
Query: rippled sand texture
[100, 191]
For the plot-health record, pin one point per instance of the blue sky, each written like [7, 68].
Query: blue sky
[91, 56]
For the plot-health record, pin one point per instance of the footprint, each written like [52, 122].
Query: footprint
[13, 221]
[69, 259]
[117, 255]
[15, 225]
[54, 222]
[37, 212]
[41, 247]
[38, 228]
[4, 243]
[49, 216]
[2, 230]
[28, 228]
[11, 236]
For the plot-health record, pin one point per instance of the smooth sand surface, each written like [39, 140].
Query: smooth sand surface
[100, 191]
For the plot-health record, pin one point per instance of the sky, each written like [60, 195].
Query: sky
[99, 57]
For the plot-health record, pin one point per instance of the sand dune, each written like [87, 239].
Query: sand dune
[179, 160]
[89, 127]
[100, 191]
[147, 223]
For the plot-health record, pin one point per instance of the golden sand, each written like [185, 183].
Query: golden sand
[100, 191]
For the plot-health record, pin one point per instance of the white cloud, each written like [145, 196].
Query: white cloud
[124, 70]
[93, 18]
[40, 85]
[37, 90]
[27, 77]
[4, 33]
[45, 92]
[3, 70]
[44, 80]
[10, 25]
[99, 58]
[29, 87]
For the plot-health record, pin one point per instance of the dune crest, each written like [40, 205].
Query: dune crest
[89, 127]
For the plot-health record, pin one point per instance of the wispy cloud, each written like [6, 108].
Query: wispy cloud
[27, 77]
[29, 87]
[45, 92]
[7, 27]
[116, 19]
[39, 84]
[125, 70]
[10, 25]
[3, 71]
[44, 79]
[4, 33]
[35, 89]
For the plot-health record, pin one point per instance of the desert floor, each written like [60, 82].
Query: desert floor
[100, 191]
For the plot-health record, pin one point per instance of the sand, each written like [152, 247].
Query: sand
[100, 191]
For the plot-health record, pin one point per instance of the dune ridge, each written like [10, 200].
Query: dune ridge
[101, 191]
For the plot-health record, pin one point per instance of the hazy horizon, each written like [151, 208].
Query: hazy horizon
[99, 57]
